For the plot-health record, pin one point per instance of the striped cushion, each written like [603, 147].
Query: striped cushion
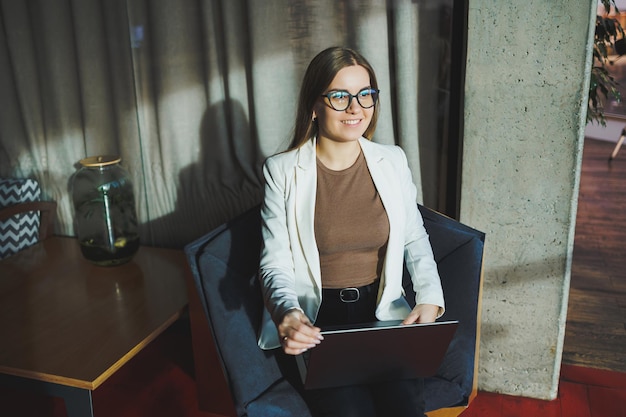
[21, 230]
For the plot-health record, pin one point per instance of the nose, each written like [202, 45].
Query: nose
[354, 106]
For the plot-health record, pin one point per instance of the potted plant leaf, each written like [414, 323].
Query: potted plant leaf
[608, 40]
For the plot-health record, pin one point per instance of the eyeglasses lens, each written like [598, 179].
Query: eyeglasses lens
[341, 100]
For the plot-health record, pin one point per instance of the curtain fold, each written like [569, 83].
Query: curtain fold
[195, 94]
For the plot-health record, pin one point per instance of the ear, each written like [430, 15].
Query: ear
[314, 116]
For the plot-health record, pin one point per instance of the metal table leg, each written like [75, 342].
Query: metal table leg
[78, 401]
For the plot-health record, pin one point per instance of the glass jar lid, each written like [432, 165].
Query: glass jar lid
[100, 160]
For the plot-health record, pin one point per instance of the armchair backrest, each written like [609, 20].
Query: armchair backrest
[224, 265]
[458, 251]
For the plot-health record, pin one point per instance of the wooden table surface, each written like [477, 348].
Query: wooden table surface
[67, 321]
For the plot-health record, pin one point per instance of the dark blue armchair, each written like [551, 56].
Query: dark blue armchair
[226, 306]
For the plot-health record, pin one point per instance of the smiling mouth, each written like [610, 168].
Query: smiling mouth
[351, 122]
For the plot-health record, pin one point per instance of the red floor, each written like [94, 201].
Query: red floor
[159, 383]
[583, 392]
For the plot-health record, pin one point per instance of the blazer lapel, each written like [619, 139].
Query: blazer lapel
[381, 171]
[379, 167]
[306, 187]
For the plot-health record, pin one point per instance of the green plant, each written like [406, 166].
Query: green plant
[603, 86]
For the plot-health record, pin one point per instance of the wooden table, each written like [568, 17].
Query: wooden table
[66, 325]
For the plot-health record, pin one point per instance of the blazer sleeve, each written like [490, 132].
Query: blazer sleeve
[418, 253]
[276, 271]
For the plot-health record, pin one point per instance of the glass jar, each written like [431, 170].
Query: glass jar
[104, 205]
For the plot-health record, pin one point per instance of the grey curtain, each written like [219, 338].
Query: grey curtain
[195, 94]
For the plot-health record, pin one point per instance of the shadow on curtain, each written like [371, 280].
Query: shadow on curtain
[194, 94]
[226, 178]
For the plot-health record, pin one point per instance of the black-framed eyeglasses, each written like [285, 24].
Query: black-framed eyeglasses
[340, 100]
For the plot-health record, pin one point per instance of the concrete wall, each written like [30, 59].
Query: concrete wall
[527, 77]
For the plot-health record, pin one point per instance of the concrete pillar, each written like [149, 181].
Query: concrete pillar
[526, 87]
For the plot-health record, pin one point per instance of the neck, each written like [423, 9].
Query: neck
[337, 155]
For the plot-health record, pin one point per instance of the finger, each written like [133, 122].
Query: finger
[311, 331]
[307, 340]
[299, 334]
[304, 320]
[294, 347]
[306, 335]
[428, 314]
[411, 318]
[304, 327]
[426, 318]
[294, 352]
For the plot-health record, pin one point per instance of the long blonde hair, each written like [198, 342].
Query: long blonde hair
[320, 73]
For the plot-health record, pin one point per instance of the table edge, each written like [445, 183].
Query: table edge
[92, 385]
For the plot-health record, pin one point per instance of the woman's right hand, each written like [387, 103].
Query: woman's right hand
[297, 334]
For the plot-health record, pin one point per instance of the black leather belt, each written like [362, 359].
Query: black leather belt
[349, 294]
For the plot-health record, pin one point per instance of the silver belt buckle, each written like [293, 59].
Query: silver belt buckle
[349, 295]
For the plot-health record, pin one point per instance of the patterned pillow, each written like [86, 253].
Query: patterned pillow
[19, 231]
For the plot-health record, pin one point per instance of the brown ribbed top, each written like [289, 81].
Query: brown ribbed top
[351, 226]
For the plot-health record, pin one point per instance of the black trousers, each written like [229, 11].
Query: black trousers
[402, 398]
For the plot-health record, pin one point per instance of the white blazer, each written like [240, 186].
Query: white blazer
[290, 264]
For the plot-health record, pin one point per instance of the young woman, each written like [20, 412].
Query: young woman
[339, 221]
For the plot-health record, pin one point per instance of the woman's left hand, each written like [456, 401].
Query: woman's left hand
[422, 313]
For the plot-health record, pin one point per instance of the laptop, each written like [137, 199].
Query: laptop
[375, 352]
